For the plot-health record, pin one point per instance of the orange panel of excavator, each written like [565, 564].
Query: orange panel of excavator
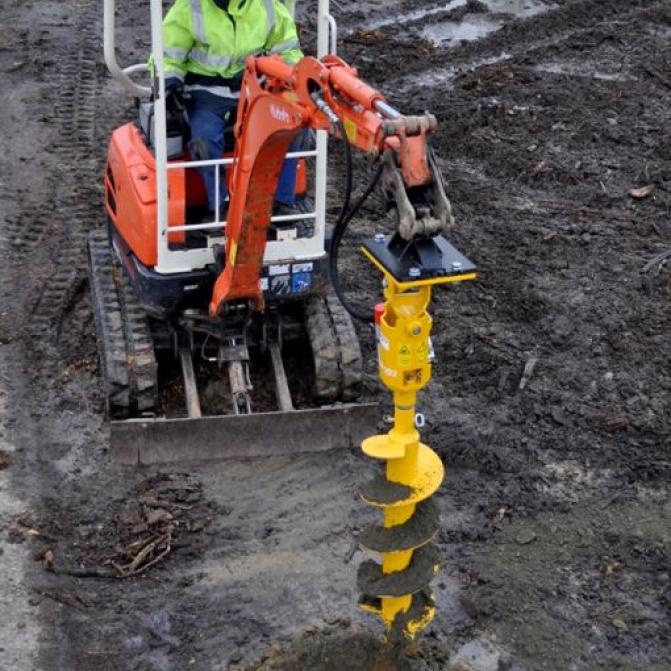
[130, 185]
[130, 182]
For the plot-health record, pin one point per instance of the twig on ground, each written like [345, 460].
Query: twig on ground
[66, 598]
[136, 566]
[656, 260]
[528, 372]
[83, 572]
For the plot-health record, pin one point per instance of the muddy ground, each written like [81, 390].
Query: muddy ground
[556, 540]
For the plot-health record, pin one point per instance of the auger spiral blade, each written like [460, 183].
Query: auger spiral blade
[397, 587]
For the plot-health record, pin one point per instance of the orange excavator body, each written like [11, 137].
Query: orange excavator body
[130, 192]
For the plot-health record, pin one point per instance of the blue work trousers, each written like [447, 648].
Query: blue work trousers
[209, 117]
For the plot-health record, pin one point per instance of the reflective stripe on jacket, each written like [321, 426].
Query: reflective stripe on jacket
[202, 39]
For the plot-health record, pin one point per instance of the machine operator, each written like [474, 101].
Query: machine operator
[206, 44]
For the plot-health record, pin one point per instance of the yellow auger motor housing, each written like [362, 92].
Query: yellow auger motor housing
[397, 589]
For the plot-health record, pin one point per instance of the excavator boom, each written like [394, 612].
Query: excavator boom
[277, 102]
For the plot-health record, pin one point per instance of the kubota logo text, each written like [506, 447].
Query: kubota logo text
[279, 114]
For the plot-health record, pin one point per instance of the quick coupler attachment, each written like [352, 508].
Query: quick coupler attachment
[396, 587]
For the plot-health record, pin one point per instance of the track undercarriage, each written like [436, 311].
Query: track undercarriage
[132, 344]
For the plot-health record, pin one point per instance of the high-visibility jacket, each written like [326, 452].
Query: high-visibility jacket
[202, 39]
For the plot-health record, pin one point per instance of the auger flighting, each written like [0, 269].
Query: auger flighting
[398, 588]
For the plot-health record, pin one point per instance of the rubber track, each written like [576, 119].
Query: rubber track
[324, 349]
[110, 333]
[141, 359]
[125, 345]
[350, 359]
[71, 219]
[335, 348]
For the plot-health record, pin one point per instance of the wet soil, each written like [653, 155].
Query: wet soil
[550, 403]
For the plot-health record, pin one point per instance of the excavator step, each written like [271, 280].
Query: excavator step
[264, 434]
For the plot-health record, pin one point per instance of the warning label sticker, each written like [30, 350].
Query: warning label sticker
[404, 355]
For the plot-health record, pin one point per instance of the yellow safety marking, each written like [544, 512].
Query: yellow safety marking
[404, 355]
[350, 129]
[422, 351]
[234, 253]
[403, 286]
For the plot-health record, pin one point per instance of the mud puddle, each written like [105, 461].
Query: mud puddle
[444, 76]
[485, 18]
[415, 15]
[471, 20]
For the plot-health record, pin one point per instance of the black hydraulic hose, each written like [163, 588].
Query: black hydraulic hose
[349, 184]
[346, 215]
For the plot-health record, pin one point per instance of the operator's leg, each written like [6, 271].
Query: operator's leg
[286, 185]
[208, 116]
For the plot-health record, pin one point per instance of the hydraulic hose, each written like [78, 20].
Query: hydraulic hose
[346, 215]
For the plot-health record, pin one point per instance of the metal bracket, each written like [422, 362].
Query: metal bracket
[425, 210]
[429, 259]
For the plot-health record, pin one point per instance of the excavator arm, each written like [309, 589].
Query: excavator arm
[277, 102]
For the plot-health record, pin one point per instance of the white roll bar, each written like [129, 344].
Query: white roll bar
[109, 47]
[172, 261]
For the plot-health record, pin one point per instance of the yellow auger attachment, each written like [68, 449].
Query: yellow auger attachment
[397, 588]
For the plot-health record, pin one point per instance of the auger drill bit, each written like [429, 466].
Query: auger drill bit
[398, 588]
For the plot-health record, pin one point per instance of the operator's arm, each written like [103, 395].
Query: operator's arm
[178, 39]
[283, 39]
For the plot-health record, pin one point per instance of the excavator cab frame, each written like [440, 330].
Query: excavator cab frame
[170, 260]
[152, 278]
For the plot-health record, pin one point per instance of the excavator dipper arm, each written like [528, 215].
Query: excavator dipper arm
[277, 102]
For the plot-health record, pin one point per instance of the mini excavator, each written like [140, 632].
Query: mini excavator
[163, 281]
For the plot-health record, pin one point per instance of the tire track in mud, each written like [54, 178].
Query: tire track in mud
[75, 115]
[50, 237]
[572, 22]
